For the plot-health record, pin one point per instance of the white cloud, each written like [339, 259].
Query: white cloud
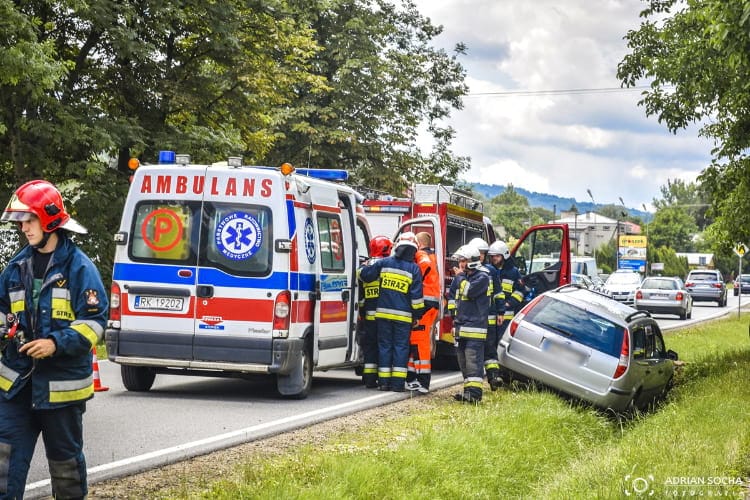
[558, 143]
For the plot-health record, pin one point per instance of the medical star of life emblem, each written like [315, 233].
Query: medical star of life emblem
[309, 241]
[238, 236]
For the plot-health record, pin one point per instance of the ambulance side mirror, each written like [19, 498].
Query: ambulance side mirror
[283, 245]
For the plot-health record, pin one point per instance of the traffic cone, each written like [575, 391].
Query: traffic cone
[98, 387]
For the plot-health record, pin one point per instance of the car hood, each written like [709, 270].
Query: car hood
[621, 288]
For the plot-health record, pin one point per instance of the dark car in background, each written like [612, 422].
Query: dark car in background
[742, 284]
[707, 285]
[584, 344]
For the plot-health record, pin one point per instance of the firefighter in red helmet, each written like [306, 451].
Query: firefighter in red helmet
[400, 304]
[380, 247]
[53, 302]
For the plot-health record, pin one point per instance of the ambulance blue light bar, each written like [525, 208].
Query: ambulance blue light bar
[167, 157]
[332, 174]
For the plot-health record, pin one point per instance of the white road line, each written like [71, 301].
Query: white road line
[239, 436]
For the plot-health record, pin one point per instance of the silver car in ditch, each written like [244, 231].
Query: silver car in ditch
[586, 345]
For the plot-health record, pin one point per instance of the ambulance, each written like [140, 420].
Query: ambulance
[231, 270]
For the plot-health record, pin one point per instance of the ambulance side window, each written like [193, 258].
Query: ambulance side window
[331, 241]
[164, 231]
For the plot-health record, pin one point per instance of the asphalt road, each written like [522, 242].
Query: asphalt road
[128, 432]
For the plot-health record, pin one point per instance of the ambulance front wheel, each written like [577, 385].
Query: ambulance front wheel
[297, 384]
[137, 378]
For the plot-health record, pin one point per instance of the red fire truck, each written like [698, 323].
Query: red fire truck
[454, 217]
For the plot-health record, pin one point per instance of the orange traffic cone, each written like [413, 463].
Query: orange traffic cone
[98, 387]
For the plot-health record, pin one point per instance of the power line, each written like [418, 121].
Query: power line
[523, 93]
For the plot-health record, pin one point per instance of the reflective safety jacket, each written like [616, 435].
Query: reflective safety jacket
[509, 298]
[472, 304]
[400, 297]
[491, 291]
[72, 310]
[368, 295]
[427, 263]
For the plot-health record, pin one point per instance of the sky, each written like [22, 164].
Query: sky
[567, 143]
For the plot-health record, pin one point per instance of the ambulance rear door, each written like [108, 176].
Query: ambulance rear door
[237, 279]
[333, 214]
[156, 268]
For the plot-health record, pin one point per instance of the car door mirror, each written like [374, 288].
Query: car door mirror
[672, 355]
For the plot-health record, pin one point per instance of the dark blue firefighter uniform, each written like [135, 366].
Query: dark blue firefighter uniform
[48, 395]
[368, 293]
[400, 303]
[470, 325]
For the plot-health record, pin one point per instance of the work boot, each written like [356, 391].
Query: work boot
[466, 397]
[495, 383]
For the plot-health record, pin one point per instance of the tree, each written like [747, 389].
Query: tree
[694, 54]
[85, 86]
[673, 227]
[511, 210]
[688, 196]
[385, 81]
[673, 265]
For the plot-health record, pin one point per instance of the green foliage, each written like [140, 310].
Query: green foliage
[673, 265]
[546, 447]
[511, 210]
[673, 227]
[84, 86]
[605, 257]
[385, 81]
[695, 57]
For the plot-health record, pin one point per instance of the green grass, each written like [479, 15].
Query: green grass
[527, 443]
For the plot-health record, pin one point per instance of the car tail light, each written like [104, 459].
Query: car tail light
[689, 284]
[639, 295]
[622, 365]
[281, 314]
[678, 296]
[717, 285]
[519, 317]
[115, 312]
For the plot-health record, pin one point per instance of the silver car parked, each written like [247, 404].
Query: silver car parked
[589, 346]
[664, 295]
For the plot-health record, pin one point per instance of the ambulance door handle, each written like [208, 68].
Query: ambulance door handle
[315, 295]
[345, 295]
[205, 291]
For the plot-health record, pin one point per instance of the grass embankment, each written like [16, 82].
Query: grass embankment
[526, 443]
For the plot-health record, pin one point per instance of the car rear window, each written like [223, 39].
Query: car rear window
[580, 325]
[703, 277]
[657, 284]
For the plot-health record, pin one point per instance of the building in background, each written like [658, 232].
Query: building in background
[589, 230]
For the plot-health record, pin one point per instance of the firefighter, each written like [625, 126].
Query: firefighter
[469, 290]
[509, 297]
[420, 351]
[491, 363]
[400, 305]
[58, 307]
[483, 247]
[380, 247]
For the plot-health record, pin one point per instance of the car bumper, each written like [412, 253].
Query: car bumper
[661, 307]
[706, 295]
[610, 398]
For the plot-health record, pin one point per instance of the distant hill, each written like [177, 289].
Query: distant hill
[550, 202]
